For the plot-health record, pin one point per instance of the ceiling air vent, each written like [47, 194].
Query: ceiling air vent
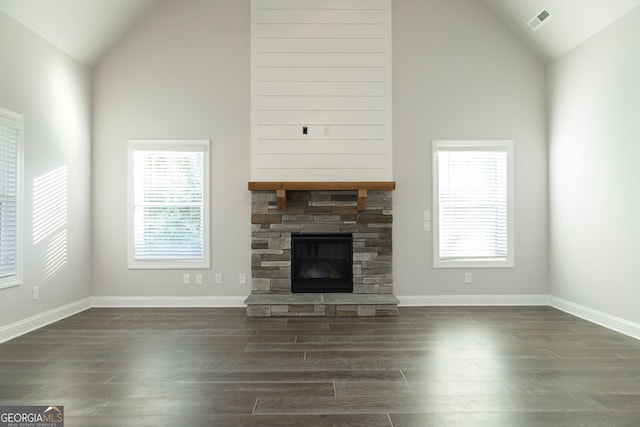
[539, 19]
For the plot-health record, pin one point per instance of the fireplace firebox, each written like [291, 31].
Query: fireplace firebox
[321, 262]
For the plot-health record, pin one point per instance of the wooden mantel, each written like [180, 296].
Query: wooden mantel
[281, 189]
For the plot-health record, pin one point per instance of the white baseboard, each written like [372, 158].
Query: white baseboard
[32, 323]
[615, 323]
[40, 320]
[167, 302]
[471, 300]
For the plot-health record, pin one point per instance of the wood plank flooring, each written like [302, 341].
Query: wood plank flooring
[431, 366]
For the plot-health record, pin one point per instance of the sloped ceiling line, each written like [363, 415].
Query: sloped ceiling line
[573, 22]
[87, 29]
[84, 29]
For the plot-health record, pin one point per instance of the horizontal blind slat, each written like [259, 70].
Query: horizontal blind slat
[473, 204]
[169, 205]
[8, 199]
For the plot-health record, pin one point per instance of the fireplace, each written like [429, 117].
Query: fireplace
[321, 262]
[321, 249]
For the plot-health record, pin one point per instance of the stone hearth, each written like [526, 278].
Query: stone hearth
[332, 211]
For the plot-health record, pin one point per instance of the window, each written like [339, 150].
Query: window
[169, 204]
[473, 204]
[11, 129]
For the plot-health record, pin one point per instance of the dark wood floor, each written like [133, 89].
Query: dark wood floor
[436, 366]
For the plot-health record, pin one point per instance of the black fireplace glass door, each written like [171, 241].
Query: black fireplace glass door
[321, 262]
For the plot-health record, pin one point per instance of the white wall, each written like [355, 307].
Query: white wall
[185, 72]
[325, 66]
[594, 128]
[460, 74]
[53, 92]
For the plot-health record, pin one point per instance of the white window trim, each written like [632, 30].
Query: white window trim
[176, 145]
[16, 120]
[484, 145]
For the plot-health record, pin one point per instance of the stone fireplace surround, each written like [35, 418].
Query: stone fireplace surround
[321, 211]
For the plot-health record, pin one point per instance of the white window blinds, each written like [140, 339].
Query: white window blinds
[170, 204]
[11, 126]
[473, 204]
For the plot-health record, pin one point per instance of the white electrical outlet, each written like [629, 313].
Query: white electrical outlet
[242, 278]
[218, 278]
[35, 293]
[186, 279]
[199, 279]
[468, 278]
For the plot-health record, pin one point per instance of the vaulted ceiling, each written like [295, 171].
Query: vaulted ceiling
[84, 29]
[87, 29]
[571, 22]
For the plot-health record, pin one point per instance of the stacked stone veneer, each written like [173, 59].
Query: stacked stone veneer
[322, 212]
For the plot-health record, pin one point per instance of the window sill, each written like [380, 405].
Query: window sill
[473, 264]
[9, 282]
[167, 265]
